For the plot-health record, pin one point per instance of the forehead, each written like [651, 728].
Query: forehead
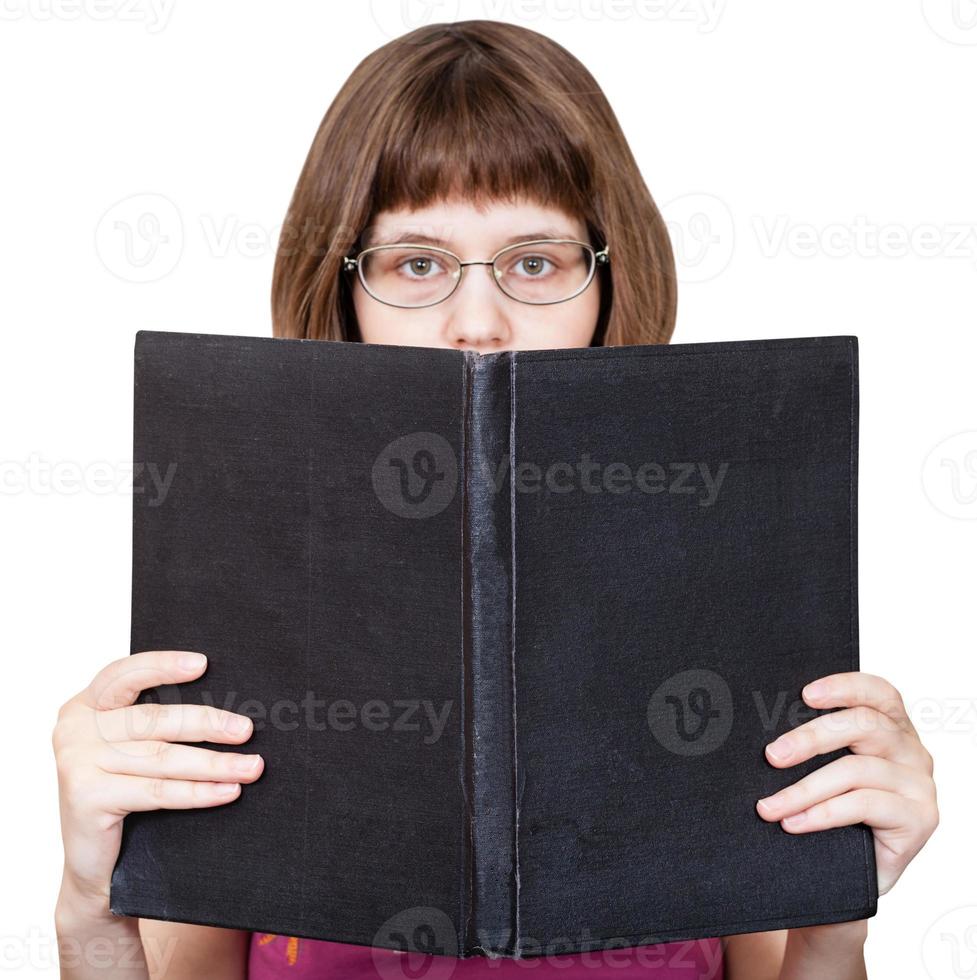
[460, 223]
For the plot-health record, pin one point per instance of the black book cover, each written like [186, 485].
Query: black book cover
[514, 630]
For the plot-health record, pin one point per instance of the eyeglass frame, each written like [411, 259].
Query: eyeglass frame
[601, 258]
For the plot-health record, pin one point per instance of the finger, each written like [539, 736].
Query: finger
[874, 807]
[131, 794]
[173, 723]
[120, 682]
[857, 687]
[170, 760]
[862, 729]
[844, 774]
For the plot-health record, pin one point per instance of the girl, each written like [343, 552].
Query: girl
[465, 141]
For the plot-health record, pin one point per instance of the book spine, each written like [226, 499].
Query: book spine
[491, 926]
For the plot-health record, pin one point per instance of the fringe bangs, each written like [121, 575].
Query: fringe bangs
[465, 132]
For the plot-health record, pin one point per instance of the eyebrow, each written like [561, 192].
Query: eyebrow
[417, 238]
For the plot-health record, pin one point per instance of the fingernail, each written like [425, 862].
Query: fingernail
[247, 763]
[795, 819]
[192, 661]
[780, 749]
[816, 689]
[765, 804]
[225, 789]
[237, 724]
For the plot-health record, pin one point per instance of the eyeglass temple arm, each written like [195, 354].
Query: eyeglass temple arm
[602, 257]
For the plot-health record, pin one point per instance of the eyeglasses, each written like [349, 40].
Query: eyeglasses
[539, 272]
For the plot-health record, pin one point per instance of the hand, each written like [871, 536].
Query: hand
[887, 783]
[115, 757]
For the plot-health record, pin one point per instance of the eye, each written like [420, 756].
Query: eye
[420, 266]
[531, 265]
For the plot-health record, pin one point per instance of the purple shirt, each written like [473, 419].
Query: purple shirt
[274, 956]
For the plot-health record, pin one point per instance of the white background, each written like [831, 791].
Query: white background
[815, 163]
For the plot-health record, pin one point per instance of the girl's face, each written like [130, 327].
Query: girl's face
[478, 316]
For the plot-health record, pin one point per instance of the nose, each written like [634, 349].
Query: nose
[477, 313]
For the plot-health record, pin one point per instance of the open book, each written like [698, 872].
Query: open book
[514, 630]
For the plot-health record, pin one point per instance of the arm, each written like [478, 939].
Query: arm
[92, 941]
[798, 954]
[180, 951]
[754, 955]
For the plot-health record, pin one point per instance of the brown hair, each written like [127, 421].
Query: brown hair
[487, 111]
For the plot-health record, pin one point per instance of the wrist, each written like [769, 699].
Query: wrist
[81, 906]
[91, 940]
